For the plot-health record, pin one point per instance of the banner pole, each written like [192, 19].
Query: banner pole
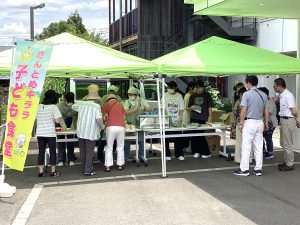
[2, 170]
[6, 191]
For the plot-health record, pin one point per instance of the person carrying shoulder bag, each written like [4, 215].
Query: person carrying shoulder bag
[114, 116]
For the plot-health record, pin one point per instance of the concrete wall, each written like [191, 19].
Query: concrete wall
[278, 35]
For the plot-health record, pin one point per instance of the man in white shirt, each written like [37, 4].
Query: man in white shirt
[289, 123]
[254, 118]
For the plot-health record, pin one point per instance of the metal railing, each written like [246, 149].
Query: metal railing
[244, 22]
[130, 24]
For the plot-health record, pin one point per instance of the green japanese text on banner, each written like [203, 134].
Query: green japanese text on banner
[26, 84]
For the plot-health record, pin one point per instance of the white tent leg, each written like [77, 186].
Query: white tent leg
[6, 191]
[163, 152]
[163, 123]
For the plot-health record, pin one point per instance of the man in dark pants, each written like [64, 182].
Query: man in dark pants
[68, 114]
[200, 105]
[89, 126]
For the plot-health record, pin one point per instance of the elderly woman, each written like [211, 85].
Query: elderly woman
[114, 116]
[47, 115]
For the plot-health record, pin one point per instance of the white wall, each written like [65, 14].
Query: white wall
[278, 35]
[263, 81]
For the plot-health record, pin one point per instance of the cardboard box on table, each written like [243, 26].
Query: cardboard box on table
[225, 118]
[214, 144]
[216, 114]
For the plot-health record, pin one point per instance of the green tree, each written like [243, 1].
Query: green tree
[74, 26]
[54, 83]
[97, 38]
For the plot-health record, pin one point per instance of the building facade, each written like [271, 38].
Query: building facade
[152, 28]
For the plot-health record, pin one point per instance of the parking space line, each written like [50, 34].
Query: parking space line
[24, 213]
[152, 158]
[136, 176]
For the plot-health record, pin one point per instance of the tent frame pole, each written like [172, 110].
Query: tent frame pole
[161, 126]
[6, 191]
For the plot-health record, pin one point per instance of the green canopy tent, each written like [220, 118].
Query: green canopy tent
[74, 56]
[218, 56]
[288, 9]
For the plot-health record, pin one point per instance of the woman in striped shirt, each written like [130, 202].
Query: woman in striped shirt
[47, 115]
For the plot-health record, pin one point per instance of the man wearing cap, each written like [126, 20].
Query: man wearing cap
[134, 106]
[112, 89]
[289, 123]
[89, 125]
[254, 117]
[114, 117]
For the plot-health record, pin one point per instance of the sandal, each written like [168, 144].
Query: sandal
[107, 169]
[120, 168]
[54, 174]
[42, 174]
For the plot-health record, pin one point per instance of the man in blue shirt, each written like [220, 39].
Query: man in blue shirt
[254, 119]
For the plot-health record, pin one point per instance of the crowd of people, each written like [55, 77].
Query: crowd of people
[91, 116]
[254, 121]
[252, 125]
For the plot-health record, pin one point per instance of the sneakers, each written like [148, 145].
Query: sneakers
[168, 158]
[257, 172]
[196, 155]
[187, 149]
[206, 156]
[90, 174]
[71, 163]
[181, 158]
[281, 165]
[238, 172]
[60, 164]
[286, 168]
[268, 155]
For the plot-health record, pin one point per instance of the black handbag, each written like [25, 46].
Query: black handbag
[271, 128]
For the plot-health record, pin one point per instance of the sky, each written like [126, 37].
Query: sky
[14, 16]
